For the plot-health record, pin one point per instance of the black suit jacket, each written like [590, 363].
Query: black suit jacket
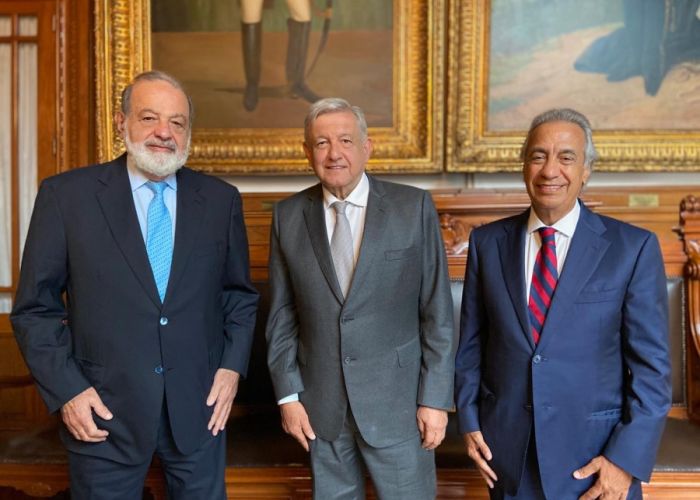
[112, 331]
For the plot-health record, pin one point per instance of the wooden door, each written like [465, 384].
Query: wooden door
[28, 153]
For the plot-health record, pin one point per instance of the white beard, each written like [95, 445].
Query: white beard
[159, 164]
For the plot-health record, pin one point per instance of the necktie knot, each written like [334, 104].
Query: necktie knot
[339, 207]
[547, 234]
[157, 187]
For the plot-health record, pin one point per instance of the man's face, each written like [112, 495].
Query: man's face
[156, 131]
[554, 169]
[336, 152]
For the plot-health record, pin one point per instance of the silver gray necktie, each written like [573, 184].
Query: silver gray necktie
[342, 248]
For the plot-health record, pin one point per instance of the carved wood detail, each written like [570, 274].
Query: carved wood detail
[455, 234]
[689, 231]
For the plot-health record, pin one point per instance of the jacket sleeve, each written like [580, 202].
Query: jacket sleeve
[39, 316]
[473, 324]
[240, 298]
[438, 339]
[282, 331]
[635, 440]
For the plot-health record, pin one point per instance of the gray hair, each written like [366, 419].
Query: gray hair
[333, 105]
[154, 76]
[590, 155]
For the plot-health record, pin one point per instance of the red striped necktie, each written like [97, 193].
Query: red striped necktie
[544, 281]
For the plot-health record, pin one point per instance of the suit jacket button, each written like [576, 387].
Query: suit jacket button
[347, 360]
[537, 358]
[158, 370]
[163, 321]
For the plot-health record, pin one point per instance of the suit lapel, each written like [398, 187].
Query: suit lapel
[316, 227]
[587, 249]
[511, 248]
[375, 222]
[190, 214]
[117, 204]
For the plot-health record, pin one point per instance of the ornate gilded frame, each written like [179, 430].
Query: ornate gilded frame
[413, 144]
[470, 147]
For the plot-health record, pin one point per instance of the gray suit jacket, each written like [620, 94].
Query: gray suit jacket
[390, 345]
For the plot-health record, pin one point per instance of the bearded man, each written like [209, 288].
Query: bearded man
[135, 310]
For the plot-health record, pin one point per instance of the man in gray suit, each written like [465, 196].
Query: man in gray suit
[360, 333]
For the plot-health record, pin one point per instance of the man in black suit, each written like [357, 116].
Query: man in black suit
[145, 353]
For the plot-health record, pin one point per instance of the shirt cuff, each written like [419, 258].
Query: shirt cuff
[289, 399]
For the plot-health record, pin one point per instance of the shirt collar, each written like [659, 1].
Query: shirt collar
[357, 197]
[137, 179]
[566, 225]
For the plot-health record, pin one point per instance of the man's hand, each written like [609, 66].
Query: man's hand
[432, 424]
[223, 392]
[612, 483]
[478, 450]
[77, 415]
[295, 422]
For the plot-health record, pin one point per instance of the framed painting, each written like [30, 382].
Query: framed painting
[386, 57]
[631, 66]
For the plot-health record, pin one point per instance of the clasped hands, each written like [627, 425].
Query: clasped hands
[432, 424]
[77, 413]
[612, 484]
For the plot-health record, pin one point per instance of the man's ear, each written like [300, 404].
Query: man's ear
[586, 175]
[119, 120]
[308, 152]
[368, 147]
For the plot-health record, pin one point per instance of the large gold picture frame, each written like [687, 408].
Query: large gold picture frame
[413, 144]
[471, 146]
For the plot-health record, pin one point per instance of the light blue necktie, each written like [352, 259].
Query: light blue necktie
[159, 242]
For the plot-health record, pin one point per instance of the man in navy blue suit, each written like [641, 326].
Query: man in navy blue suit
[144, 355]
[562, 371]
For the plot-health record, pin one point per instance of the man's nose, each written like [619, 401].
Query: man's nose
[334, 151]
[162, 130]
[551, 167]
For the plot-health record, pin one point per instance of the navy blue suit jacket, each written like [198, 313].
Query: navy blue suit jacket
[597, 383]
[112, 332]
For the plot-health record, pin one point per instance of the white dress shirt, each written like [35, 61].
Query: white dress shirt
[564, 227]
[356, 210]
[143, 196]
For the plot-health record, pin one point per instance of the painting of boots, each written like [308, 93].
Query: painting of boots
[260, 63]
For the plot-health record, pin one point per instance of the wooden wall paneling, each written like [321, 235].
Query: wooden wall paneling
[20, 405]
[660, 215]
[461, 211]
[76, 75]
[690, 230]
[65, 130]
